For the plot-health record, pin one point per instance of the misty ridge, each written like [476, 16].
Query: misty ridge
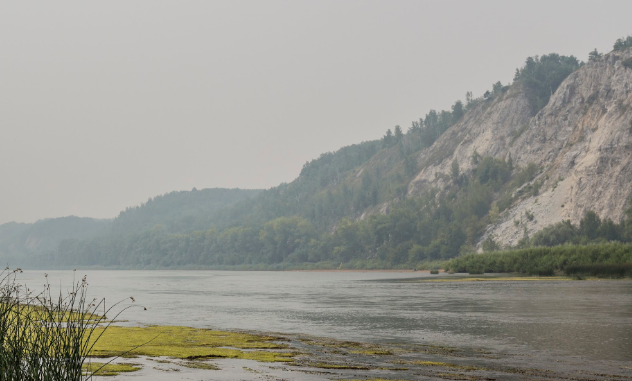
[491, 173]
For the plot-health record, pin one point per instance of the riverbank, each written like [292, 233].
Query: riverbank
[198, 354]
[609, 259]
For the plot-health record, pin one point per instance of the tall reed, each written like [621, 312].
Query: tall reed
[45, 337]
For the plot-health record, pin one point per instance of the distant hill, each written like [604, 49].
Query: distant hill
[178, 212]
[17, 239]
[545, 160]
[174, 212]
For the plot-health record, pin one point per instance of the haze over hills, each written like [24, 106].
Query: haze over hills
[490, 172]
[173, 212]
[178, 212]
[45, 235]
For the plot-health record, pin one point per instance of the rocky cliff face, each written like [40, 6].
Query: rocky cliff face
[582, 141]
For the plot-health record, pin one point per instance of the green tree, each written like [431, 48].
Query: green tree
[455, 169]
[469, 98]
[489, 244]
[410, 165]
[590, 224]
[388, 139]
[594, 55]
[628, 223]
[494, 213]
[497, 88]
[399, 135]
[610, 231]
[622, 43]
[475, 157]
[457, 111]
[493, 170]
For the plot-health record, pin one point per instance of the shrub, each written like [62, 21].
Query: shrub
[542, 271]
[543, 260]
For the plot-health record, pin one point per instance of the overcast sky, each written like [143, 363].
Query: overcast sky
[104, 104]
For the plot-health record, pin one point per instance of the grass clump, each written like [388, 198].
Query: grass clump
[46, 337]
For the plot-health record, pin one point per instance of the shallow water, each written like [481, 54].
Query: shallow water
[589, 319]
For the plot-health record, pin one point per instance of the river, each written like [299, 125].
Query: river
[587, 319]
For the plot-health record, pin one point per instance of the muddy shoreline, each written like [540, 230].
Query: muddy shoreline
[317, 358]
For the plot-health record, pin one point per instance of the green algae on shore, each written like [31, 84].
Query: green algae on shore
[350, 346]
[372, 352]
[182, 347]
[375, 379]
[324, 365]
[187, 343]
[446, 365]
[103, 369]
[193, 364]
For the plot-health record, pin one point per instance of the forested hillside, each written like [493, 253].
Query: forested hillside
[174, 212]
[489, 173]
[179, 212]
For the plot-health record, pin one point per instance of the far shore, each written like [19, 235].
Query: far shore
[360, 271]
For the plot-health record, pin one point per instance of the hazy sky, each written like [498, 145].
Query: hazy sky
[104, 104]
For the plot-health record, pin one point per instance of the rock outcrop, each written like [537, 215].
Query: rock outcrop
[581, 140]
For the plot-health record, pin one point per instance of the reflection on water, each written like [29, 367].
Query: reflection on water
[591, 319]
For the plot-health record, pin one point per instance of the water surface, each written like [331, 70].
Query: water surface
[588, 319]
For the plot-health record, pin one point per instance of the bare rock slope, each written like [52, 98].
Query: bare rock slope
[582, 141]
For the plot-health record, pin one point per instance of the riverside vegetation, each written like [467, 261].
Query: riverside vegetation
[43, 337]
[594, 248]
[353, 208]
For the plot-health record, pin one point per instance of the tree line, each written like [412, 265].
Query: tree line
[428, 227]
